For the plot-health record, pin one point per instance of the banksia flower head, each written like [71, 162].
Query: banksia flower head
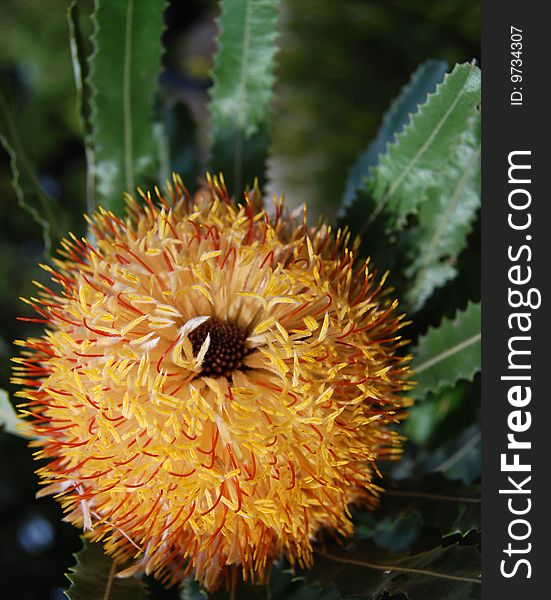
[214, 386]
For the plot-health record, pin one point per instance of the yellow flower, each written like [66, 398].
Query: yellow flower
[214, 385]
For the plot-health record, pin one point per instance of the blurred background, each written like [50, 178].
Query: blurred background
[339, 67]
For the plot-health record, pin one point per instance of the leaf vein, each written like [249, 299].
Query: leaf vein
[429, 256]
[370, 565]
[450, 352]
[427, 143]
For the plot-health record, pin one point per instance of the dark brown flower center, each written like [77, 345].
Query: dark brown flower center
[226, 350]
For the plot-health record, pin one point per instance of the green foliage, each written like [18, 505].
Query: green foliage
[243, 78]
[287, 585]
[337, 71]
[284, 584]
[445, 219]
[94, 576]
[395, 532]
[448, 353]
[416, 206]
[446, 504]
[124, 68]
[425, 417]
[30, 194]
[298, 588]
[443, 436]
[412, 164]
[422, 82]
[181, 149]
[456, 458]
[191, 590]
[81, 71]
[366, 571]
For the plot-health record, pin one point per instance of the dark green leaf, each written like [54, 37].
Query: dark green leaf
[395, 532]
[94, 577]
[80, 72]
[425, 417]
[449, 442]
[300, 589]
[243, 78]
[387, 250]
[450, 506]
[422, 82]
[364, 570]
[243, 590]
[30, 194]
[181, 141]
[191, 590]
[458, 458]
[124, 70]
[414, 162]
[448, 352]
[445, 219]
[409, 506]
[284, 584]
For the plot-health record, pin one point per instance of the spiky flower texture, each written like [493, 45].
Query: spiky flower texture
[214, 385]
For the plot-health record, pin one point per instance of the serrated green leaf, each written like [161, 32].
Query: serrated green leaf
[366, 571]
[448, 353]
[445, 219]
[243, 78]
[94, 576]
[414, 161]
[422, 82]
[9, 420]
[124, 69]
[31, 196]
[79, 64]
